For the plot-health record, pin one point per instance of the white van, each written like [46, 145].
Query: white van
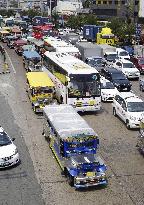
[122, 54]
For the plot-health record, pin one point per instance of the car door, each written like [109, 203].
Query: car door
[123, 111]
[118, 102]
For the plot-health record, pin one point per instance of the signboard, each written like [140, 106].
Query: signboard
[141, 9]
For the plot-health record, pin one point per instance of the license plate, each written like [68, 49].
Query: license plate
[90, 174]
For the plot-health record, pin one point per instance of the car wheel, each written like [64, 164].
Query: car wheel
[114, 112]
[127, 124]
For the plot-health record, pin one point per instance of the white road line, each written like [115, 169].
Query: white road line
[10, 62]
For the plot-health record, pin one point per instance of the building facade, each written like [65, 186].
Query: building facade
[68, 7]
[115, 7]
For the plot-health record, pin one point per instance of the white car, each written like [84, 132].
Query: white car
[8, 151]
[122, 54]
[128, 68]
[129, 108]
[108, 91]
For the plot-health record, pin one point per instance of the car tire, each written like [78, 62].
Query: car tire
[127, 124]
[114, 112]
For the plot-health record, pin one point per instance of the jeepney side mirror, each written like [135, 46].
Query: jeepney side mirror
[97, 141]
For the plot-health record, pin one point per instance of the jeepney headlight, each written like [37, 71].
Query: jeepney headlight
[133, 118]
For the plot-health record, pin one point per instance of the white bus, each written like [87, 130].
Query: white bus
[61, 46]
[76, 83]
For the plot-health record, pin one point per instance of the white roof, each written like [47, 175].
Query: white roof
[130, 97]
[66, 121]
[60, 45]
[70, 64]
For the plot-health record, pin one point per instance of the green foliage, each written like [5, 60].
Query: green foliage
[124, 30]
[76, 22]
[86, 4]
[8, 13]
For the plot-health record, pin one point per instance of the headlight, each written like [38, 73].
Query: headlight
[133, 118]
[16, 151]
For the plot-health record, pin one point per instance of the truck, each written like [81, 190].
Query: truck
[88, 49]
[91, 50]
[99, 34]
[90, 32]
[74, 144]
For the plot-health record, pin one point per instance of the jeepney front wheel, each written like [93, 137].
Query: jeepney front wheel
[70, 180]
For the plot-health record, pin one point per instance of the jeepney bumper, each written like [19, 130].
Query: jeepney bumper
[90, 182]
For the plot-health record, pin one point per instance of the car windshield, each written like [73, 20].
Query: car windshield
[135, 106]
[112, 56]
[107, 85]
[118, 76]
[84, 85]
[128, 65]
[123, 53]
[4, 139]
[141, 61]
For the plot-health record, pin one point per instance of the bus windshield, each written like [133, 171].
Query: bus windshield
[84, 85]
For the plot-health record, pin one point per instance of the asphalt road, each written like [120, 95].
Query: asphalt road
[39, 177]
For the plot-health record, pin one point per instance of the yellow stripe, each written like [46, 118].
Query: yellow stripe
[57, 158]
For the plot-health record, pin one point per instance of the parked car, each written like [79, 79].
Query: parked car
[118, 79]
[141, 84]
[108, 91]
[10, 41]
[129, 108]
[139, 63]
[8, 151]
[128, 68]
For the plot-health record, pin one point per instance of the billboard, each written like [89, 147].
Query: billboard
[141, 9]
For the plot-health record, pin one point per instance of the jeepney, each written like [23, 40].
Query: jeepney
[3, 35]
[18, 46]
[40, 90]
[39, 45]
[10, 41]
[16, 32]
[28, 47]
[32, 61]
[74, 144]
[140, 143]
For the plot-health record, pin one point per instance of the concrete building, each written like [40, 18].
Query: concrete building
[68, 7]
[32, 4]
[115, 7]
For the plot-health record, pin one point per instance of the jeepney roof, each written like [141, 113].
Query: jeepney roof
[39, 79]
[67, 122]
[38, 42]
[31, 54]
[28, 47]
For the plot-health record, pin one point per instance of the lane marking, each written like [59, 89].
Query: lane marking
[10, 62]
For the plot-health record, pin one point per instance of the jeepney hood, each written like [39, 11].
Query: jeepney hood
[84, 163]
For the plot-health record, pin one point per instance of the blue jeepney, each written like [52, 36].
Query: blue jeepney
[32, 61]
[74, 145]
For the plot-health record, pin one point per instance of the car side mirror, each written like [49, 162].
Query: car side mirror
[13, 139]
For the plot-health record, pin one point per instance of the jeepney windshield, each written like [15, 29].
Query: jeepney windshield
[42, 90]
[84, 85]
[81, 147]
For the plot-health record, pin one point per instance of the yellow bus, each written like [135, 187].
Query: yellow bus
[40, 90]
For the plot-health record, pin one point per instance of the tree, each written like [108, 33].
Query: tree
[55, 19]
[87, 4]
[124, 30]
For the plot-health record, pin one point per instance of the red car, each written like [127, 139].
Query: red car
[139, 63]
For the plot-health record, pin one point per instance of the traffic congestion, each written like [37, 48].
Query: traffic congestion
[83, 97]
